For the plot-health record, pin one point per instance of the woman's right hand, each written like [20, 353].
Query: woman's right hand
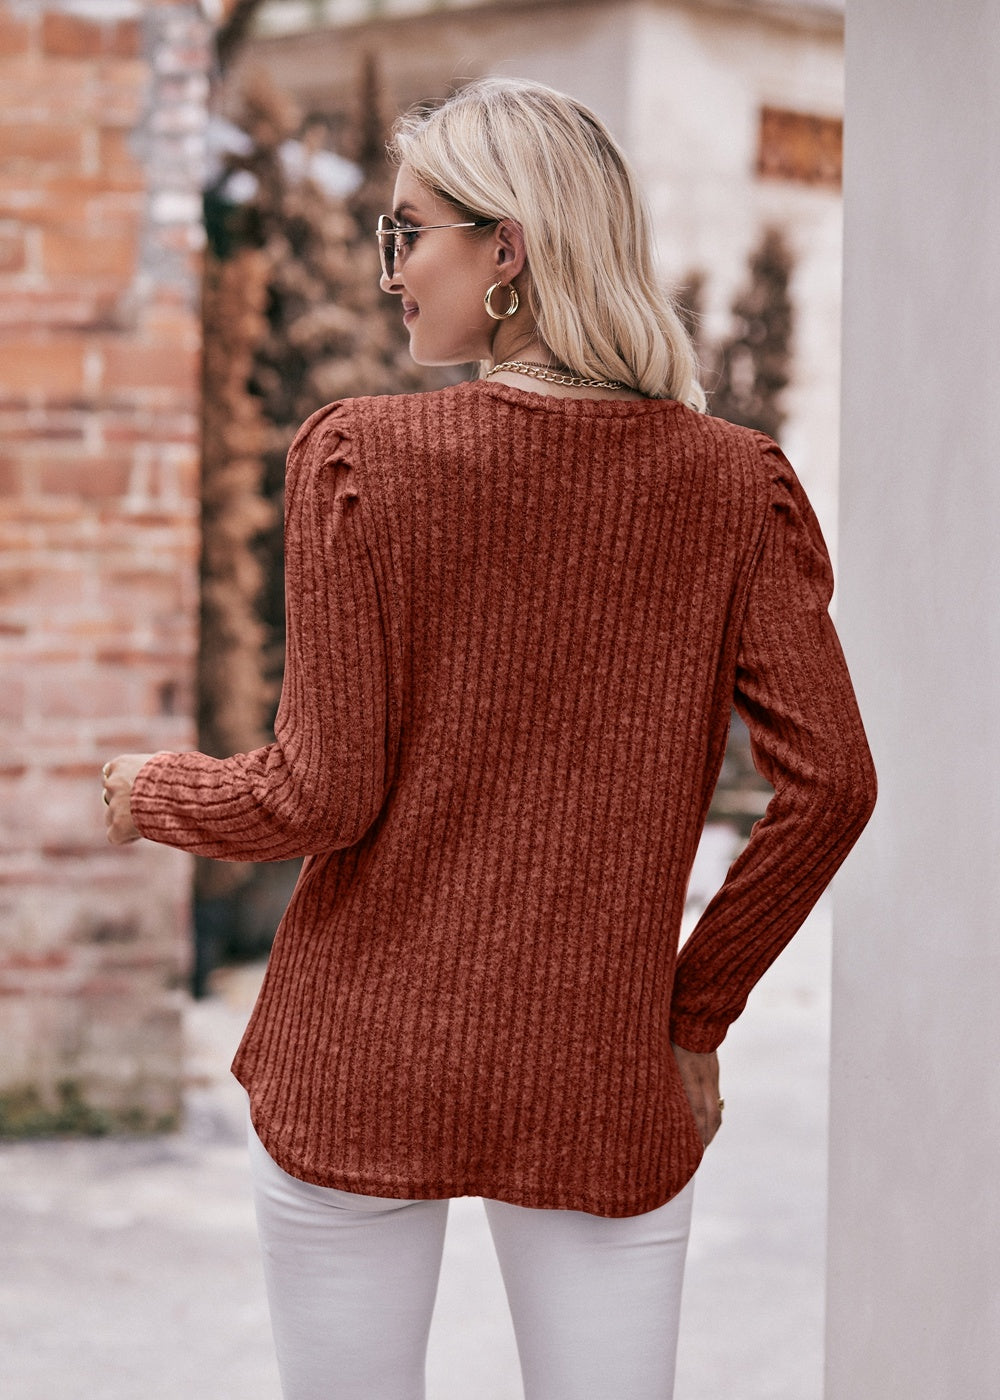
[119, 774]
[700, 1077]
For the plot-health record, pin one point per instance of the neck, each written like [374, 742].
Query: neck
[510, 344]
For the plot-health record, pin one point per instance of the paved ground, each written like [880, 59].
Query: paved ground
[130, 1272]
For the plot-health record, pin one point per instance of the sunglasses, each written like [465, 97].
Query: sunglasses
[394, 240]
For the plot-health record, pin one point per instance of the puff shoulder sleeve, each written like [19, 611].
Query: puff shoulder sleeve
[794, 692]
[322, 782]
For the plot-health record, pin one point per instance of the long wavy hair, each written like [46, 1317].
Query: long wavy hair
[508, 149]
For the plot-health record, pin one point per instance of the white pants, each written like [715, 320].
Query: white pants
[351, 1282]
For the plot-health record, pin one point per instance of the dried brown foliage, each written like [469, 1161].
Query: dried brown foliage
[752, 366]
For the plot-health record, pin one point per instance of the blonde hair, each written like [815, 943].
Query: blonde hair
[506, 149]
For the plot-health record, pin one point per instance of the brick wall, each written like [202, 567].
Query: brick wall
[102, 110]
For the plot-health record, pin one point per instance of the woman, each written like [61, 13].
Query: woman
[519, 611]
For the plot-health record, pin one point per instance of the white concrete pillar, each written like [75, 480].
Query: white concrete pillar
[914, 1226]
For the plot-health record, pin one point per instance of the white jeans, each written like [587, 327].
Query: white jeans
[351, 1282]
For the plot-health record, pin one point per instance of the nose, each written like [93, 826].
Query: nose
[392, 284]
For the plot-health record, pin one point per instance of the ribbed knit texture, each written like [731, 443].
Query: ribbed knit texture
[516, 625]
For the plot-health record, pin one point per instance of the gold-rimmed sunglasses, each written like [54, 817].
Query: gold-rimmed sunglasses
[394, 239]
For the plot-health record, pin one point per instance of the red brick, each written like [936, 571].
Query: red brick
[131, 366]
[15, 581]
[12, 699]
[63, 205]
[116, 154]
[52, 197]
[45, 524]
[143, 594]
[125, 40]
[174, 326]
[124, 91]
[43, 590]
[90, 630]
[84, 479]
[76, 309]
[88, 255]
[13, 253]
[40, 961]
[50, 368]
[15, 35]
[73, 770]
[68, 36]
[41, 143]
[97, 568]
[12, 477]
[34, 88]
[75, 693]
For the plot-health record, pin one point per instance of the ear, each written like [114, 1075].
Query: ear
[508, 249]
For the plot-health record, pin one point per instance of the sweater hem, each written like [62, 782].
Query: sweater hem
[401, 1186]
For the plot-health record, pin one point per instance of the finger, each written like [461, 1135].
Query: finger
[106, 772]
[713, 1122]
[118, 817]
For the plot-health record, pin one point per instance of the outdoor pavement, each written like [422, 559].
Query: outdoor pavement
[129, 1267]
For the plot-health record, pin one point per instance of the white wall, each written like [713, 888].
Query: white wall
[914, 1245]
[698, 80]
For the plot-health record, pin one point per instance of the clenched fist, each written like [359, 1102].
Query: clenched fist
[119, 775]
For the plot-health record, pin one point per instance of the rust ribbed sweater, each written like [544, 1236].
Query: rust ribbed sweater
[516, 624]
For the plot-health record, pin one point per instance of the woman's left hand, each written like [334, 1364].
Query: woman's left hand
[700, 1077]
[119, 775]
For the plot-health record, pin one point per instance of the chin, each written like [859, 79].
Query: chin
[441, 359]
[434, 353]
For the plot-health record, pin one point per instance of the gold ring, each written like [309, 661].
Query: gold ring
[106, 769]
[722, 1104]
[107, 800]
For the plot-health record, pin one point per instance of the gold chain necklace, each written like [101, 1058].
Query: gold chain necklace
[573, 381]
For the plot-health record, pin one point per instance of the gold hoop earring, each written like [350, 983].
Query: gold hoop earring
[515, 302]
